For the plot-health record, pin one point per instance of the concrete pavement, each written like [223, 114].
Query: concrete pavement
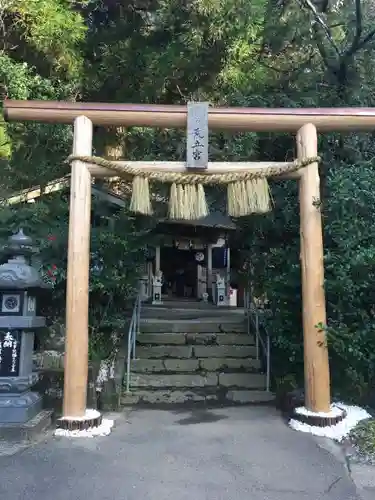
[237, 453]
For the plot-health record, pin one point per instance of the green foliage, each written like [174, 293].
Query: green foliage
[117, 256]
[5, 149]
[348, 213]
[51, 28]
[350, 272]
[363, 439]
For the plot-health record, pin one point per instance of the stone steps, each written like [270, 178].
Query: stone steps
[191, 380]
[195, 351]
[193, 365]
[204, 358]
[171, 304]
[203, 325]
[195, 338]
[190, 311]
[196, 396]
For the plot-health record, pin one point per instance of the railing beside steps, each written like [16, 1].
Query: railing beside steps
[132, 336]
[255, 324]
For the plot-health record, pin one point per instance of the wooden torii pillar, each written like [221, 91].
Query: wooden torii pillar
[77, 291]
[316, 363]
[303, 121]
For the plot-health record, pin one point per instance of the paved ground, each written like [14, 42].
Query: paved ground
[226, 454]
[364, 477]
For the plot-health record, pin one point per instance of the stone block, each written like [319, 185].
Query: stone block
[181, 365]
[49, 359]
[164, 365]
[220, 339]
[201, 338]
[235, 339]
[224, 351]
[147, 365]
[129, 399]
[199, 325]
[29, 430]
[51, 386]
[19, 408]
[175, 380]
[164, 352]
[10, 385]
[164, 397]
[186, 313]
[161, 338]
[243, 396]
[245, 380]
[222, 364]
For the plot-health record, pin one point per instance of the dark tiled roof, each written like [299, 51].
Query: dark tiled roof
[116, 192]
[214, 219]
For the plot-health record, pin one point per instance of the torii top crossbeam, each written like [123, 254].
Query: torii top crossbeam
[168, 116]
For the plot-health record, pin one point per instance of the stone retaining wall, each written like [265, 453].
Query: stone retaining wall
[50, 366]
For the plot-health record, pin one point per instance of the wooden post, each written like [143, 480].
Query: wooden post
[317, 378]
[157, 260]
[77, 293]
[149, 273]
[227, 278]
[209, 270]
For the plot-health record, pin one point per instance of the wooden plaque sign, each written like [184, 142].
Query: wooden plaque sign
[197, 135]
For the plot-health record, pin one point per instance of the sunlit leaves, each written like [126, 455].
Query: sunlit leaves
[51, 27]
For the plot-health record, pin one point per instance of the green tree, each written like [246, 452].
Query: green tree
[40, 58]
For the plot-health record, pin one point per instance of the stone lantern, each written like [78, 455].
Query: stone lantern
[19, 285]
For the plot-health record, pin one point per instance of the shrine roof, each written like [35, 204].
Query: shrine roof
[116, 194]
[215, 219]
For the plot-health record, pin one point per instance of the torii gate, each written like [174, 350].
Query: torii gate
[304, 122]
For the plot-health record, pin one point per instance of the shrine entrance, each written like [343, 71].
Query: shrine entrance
[179, 269]
[247, 192]
[191, 255]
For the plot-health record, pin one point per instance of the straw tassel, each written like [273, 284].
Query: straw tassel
[181, 208]
[263, 196]
[173, 202]
[188, 202]
[201, 203]
[235, 199]
[140, 200]
[248, 197]
[177, 204]
[250, 188]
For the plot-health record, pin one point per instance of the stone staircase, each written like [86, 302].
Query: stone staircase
[190, 352]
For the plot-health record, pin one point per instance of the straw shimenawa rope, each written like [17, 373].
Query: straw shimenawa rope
[247, 191]
[203, 178]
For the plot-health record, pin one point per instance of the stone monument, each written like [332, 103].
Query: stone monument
[20, 408]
